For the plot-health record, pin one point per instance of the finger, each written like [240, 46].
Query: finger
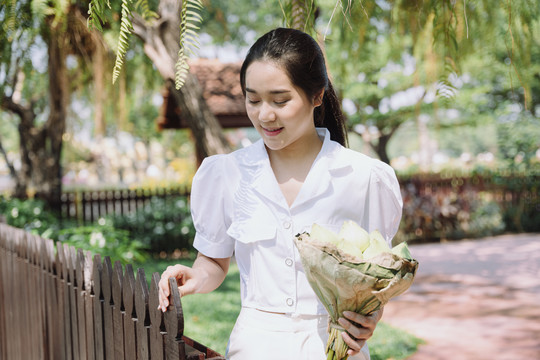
[368, 322]
[357, 331]
[163, 285]
[355, 345]
[163, 301]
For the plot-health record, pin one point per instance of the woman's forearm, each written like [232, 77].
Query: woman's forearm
[211, 271]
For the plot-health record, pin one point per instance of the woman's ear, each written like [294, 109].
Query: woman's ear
[317, 100]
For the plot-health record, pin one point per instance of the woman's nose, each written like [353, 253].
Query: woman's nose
[266, 113]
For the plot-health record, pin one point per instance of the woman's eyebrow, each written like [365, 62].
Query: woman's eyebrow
[270, 92]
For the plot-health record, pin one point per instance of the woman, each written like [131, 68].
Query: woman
[252, 202]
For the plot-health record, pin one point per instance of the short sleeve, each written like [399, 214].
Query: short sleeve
[210, 208]
[384, 203]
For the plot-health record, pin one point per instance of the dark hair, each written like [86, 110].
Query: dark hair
[302, 59]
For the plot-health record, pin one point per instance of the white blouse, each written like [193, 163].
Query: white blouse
[238, 208]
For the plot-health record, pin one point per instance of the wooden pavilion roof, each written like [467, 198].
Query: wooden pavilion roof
[220, 83]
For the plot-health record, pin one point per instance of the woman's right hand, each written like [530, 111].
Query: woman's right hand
[205, 276]
[185, 281]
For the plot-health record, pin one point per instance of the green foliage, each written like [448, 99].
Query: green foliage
[30, 215]
[518, 137]
[486, 218]
[190, 20]
[389, 342]
[102, 238]
[8, 11]
[123, 38]
[161, 225]
[96, 11]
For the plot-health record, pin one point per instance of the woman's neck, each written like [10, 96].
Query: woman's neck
[302, 151]
[292, 164]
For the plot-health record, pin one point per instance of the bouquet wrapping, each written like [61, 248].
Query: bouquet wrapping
[346, 281]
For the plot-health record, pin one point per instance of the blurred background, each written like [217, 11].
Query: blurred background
[446, 92]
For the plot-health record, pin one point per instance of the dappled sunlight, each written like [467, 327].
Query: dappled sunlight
[477, 298]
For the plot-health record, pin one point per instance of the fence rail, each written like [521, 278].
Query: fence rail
[62, 303]
[89, 205]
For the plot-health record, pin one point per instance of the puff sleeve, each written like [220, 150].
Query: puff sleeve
[384, 203]
[210, 208]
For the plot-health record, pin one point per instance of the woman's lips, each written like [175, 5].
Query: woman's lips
[272, 132]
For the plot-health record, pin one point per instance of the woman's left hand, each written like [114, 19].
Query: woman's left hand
[358, 328]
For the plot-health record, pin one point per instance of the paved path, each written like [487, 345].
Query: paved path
[474, 300]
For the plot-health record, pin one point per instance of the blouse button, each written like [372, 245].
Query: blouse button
[290, 302]
[287, 224]
[288, 261]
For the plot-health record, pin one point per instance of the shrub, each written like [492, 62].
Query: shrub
[448, 215]
[30, 215]
[161, 225]
[102, 238]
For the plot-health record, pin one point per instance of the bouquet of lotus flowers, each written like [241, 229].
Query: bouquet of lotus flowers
[353, 271]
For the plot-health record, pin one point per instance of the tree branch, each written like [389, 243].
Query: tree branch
[10, 166]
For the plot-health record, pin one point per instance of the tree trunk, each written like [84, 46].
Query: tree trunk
[161, 45]
[47, 144]
[380, 148]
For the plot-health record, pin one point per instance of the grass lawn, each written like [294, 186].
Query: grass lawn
[209, 318]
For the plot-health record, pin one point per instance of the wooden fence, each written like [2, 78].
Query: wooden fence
[61, 303]
[507, 191]
[89, 205]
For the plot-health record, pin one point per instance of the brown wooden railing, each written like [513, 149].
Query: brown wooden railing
[506, 190]
[89, 205]
[61, 303]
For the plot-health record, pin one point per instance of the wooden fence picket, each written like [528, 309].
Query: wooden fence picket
[62, 250]
[98, 308]
[174, 326]
[143, 319]
[129, 323]
[157, 351]
[78, 258]
[89, 307]
[106, 288]
[118, 311]
[60, 303]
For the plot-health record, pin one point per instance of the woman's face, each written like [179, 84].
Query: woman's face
[280, 111]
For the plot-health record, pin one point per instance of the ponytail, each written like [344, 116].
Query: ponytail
[330, 116]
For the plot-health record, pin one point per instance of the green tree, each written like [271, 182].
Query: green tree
[368, 43]
[28, 26]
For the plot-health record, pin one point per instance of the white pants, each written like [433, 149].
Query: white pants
[267, 336]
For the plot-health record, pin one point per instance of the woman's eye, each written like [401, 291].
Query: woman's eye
[253, 101]
[282, 102]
